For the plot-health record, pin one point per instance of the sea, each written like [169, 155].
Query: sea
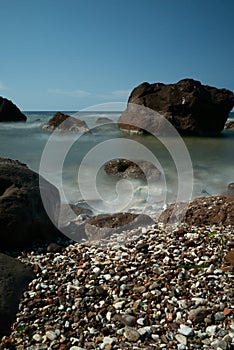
[190, 166]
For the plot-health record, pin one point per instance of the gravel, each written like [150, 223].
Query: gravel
[165, 288]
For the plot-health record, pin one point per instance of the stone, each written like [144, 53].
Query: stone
[24, 221]
[131, 334]
[181, 339]
[213, 210]
[14, 279]
[65, 123]
[211, 330]
[102, 226]
[133, 169]
[197, 315]
[51, 335]
[9, 112]
[219, 316]
[103, 120]
[185, 330]
[229, 126]
[192, 108]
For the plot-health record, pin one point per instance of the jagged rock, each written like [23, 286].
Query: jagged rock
[192, 108]
[23, 218]
[14, 279]
[65, 123]
[139, 169]
[214, 210]
[9, 112]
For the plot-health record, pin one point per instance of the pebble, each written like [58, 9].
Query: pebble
[185, 330]
[136, 288]
[131, 334]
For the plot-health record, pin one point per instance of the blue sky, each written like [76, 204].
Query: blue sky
[71, 54]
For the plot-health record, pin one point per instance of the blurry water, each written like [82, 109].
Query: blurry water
[212, 158]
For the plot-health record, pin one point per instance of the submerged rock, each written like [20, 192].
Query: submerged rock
[65, 123]
[23, 218]
[102, 120]
[138, 169]
[192, 108]
[9, 112]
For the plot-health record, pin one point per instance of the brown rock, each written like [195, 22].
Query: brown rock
[102, 226]
[65, 123]
[199, 314]
[192, 108]
[9, 112]
[103, 120]
[138, 169]
[229, 126]
[214, 210]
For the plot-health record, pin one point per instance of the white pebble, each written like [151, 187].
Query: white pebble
[50, 335]
[185, 330]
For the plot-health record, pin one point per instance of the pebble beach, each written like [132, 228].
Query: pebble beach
[155, 287]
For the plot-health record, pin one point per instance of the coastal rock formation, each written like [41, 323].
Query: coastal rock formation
[102, 226]
[23, 218]
[139, 169]
[102, 120]
[14, 279]
[214, 210]
[9, 112]
[229, 126]
[65, 123]
[192, 108]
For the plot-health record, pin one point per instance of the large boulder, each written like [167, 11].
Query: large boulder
[125, 168]
[9, 112]
[14, 279]
[192, 108]
[213, 210]
[65, 123]
[23, 218]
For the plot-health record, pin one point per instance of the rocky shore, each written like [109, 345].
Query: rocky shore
[155, 287]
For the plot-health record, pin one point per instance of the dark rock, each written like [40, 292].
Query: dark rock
[214, 210]
[23, 218]
[102, 226]
[65, 123]
[230, 191]
[192, 108]
[14, 279]
[102, 120]
[9, 112]
[135, 169]
[197, 315]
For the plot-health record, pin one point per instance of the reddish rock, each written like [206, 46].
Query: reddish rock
[65, 123]
[9, 112]
[214, 210]
[102, 226]
[138, 169]
[192, 108]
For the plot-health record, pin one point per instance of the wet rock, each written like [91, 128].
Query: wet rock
[192, 108]
[102, 120]
[65, 123]
[135, 169]
[9, 112]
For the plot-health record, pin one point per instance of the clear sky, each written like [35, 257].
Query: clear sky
[70, 54]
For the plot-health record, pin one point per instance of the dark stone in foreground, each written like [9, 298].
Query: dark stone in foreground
[14, 279]
[23, 218]
[138, 169]
[65, 123]
[192, 108]
[214, 210]
[102, 226]
[9, 112]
